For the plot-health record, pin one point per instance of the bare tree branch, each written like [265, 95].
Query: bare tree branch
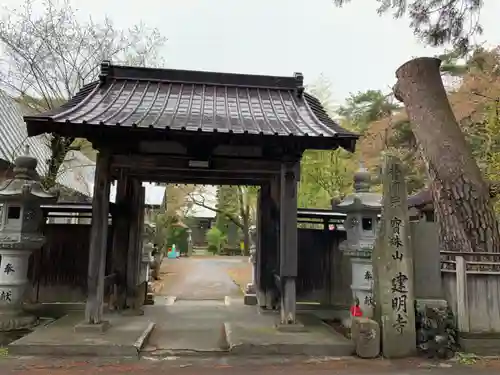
[198, 198]
[47, 57]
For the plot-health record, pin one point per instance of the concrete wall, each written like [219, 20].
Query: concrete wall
[426, 259]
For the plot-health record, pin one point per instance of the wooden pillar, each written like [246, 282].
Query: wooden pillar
[265, 249]
[257, 269]
[328, 250]
[98, 241]
[120, 238]
[272, 230]
[134, 239]
[288, 240]
[141, 285]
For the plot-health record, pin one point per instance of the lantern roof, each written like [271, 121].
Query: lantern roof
[26, 185]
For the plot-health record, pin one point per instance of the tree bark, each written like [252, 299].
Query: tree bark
[461, 197]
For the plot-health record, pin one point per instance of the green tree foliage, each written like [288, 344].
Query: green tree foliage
[227, 206]
[216, 240]
[172, 212]
[437, 22]
[363, 108]
[235, 207]
[325, 174]
[328, 175]
[48, 56]
[177, 235]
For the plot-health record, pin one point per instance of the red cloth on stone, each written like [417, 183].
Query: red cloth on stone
[356, 311]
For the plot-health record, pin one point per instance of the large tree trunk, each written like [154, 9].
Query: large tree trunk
[461, 197]
[451, 233]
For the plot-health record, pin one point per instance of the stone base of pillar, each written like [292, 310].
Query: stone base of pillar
[288, 302]
[250, 299]
[150, 296]
[261, 298]
[150, 299]
[293, 327]
[85, 327]
[16, 320]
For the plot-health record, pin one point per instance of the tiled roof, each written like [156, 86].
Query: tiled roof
[421, 198]
[197, 101]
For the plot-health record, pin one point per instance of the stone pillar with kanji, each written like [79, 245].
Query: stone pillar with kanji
[21, 218]
[393, 267]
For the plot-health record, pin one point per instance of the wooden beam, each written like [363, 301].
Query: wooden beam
[201, 178]
[288, 240]
[98, 240]
[182, 163]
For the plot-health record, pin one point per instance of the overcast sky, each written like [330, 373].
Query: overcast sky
[352, 46]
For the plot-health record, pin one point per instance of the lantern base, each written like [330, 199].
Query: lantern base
[15, 321]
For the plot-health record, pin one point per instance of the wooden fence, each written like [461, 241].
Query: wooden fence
[318, 262]
[58, 271]
[471, 283]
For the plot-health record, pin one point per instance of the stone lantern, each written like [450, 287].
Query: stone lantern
[250, 290]
[146, 260]
[189, 242]
[21, 219]
[362, 209]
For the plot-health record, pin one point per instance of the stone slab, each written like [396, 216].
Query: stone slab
[431, 303]
[250, 299]
[483, 344]
[260, 337]
[188, 338]
[124, 338]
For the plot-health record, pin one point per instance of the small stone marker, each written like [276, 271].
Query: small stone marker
[365, 334]
[393, 267]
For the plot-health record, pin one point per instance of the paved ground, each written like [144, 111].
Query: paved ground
[240, 366]
[207, 279]
[196, 298]
[201, 311]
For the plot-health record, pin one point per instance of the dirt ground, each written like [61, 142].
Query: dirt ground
[241, 275]
[242, 366]
[170, 272]
[173, 271]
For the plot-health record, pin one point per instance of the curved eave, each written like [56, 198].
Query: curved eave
[38, 125]
[351, 208]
